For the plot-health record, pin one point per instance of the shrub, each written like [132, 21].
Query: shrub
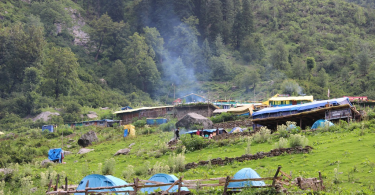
[143, 170]
[298, 140]
[109, 167]
[194, 143]
[263, 135]
[281, 129]
[248, 146]
[177, 162]
[139, 123]
[282, 143]
[171, 125]
[128, 172]
[223, 117]
[160, 168]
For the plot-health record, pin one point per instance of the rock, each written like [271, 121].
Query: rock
[76, 161]
[10, 135]
[71, 140]
[105, 108]
[67, 152]
[68, 146]
[45, 116]
[87, 139]
[34, 189]
[193, 118]
[84, 150]
[122, 151]
[44, 163]
[92, 115]
[132, 144]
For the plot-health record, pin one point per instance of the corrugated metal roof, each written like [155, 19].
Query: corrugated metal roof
[295, 98]
[139, 109]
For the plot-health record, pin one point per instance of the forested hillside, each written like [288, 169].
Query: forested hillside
[73, 53]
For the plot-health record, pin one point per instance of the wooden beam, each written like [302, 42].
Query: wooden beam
[275, 177]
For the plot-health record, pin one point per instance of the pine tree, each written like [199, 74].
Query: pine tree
[228, 15]
[247, 26]
[215, 19]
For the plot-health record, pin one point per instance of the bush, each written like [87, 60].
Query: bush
[177, 162]
[128, 172]
[109, 167]
[263, 135]
[281, 129]
[223, 117]
[139, 123]
[194, 143]
[171, 125]
[298, 140]
[142, 170]
[282, 143]
[159, 168]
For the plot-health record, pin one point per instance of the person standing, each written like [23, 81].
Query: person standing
[178, 133]
[217, 131]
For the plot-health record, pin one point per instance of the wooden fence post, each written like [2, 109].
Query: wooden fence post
[49, 185]
[179, 186]
[136, 185]
[299, 182]
[87, 185]
[321, 181]
[274, 178]
[226, 185]
[66, 183]
[57, 182]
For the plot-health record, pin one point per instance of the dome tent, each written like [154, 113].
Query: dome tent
[321, 123]
[103, 181]
[236, 130]
[246, 173]
[165, 178]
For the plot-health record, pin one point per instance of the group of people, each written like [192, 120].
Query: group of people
[199, 132]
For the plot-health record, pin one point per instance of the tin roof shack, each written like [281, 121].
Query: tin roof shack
[100, 123]
[306, 114]
[127, 116]
[282, 100]
[204, 109]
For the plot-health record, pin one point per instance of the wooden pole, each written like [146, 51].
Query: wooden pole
[299, 182]
[136, 185]
[179, 186]
[321, 181]
[87, 185]
[226, 185]
[57, 182]
[49, 185]
[66, 183]
[275, 177]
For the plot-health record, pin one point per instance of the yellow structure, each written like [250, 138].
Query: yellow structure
[285, 101]
[247, 108]
[131, 130]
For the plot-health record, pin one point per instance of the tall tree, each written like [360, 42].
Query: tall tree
[247, 19]
[310, 62]
[142, 70]
[156, 43]
[228, 16]
[215, 19]
[59, 71]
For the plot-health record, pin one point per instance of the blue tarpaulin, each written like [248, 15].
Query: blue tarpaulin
[236, 130]
[221, 130]
[48, 127]
[126, 132]
[165, 178]
[303, 107]
[103, 181]
[321, 123]
[55, 154]
[156, 121]
[246, 173]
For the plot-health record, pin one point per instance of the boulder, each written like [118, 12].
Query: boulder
[132, 144]
[84, 150]
[67, 152]
[44, 163]
[124, 151]
[87, 138]
[193, 118]
[45, 116]
[105, 108]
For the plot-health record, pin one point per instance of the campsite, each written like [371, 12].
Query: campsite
[157, 97]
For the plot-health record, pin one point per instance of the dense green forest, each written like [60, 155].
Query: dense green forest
[73, 53]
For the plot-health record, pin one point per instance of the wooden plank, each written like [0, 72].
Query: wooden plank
[202, 185]
[321, 181]
[87, 185]
[275, 177]
[66, 183]
[254, 179]
[286, 175]
[154, 182]
[212, 179]
[111, 187]
[179, 186]
[266, 186]
[49, 185]
[174, 183]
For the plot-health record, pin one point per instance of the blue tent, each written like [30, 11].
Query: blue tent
[55, 154]
[246, 173]
[321, 123]
[165, 178]
[103, 181]
[48, 127]
[236, 130]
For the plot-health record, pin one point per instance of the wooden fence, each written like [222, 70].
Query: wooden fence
[277, 182]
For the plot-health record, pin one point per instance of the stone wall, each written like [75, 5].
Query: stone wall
[233, 135]
[259, 155]
[205, 111]
[232, 124]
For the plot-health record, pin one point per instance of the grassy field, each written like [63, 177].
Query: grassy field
[350, 152]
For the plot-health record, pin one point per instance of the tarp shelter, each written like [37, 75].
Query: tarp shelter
[164, 178]
[126, 108]
[55, 154]
[129, 130]
[48, 127]
[156, 121]
[236, 130]
[246, 173]
[243, 110]
[103, 181]
[321, 123]
[208, 131]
